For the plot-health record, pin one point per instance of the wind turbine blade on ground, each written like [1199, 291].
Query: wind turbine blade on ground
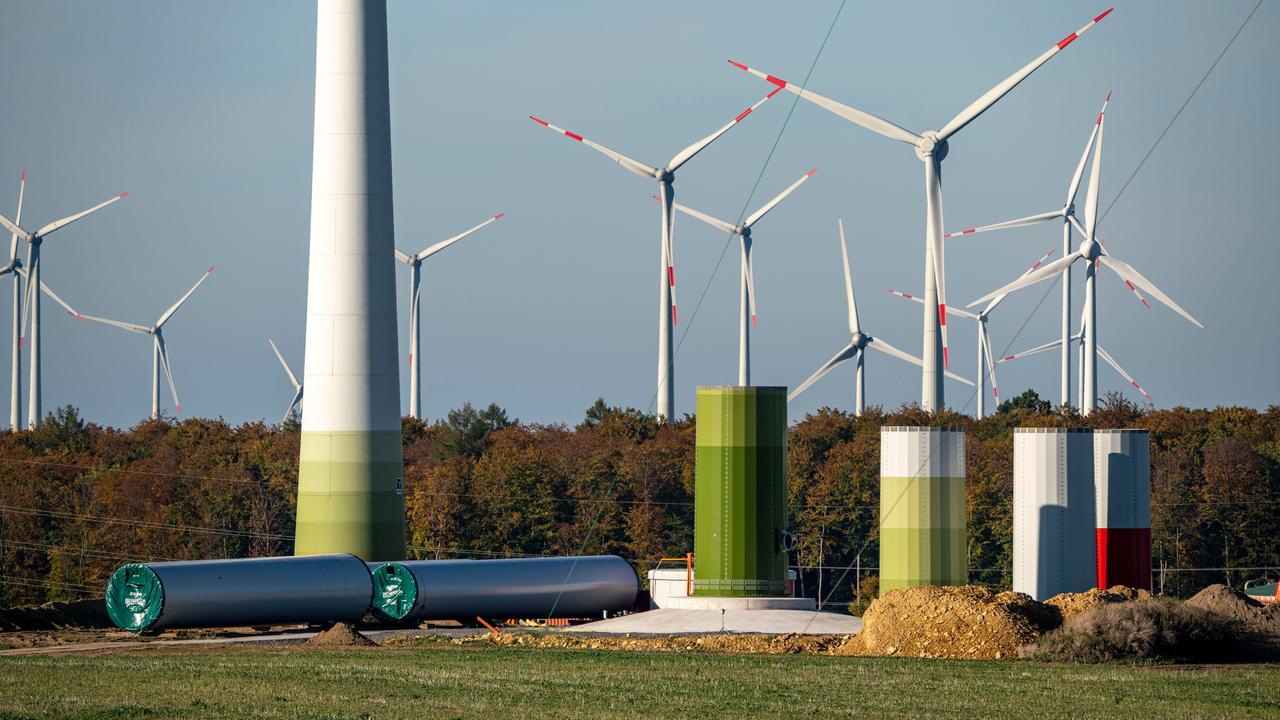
[757, 215]
[59, 224]
[852, 114]
[633, 165]
[846, 353]
[1112, 362]
[992, 96]
[1125, 271]
[687, 154]
[1020, 222]
[446, 243]
[174, 308]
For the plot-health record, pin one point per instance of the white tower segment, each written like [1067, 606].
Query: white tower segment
[351, 466]
[666, 178]
[931, 148]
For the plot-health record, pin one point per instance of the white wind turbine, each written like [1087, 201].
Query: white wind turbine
[415, 294]
[159, 352]
[667, 284]
[858, 342]
[1091, 251]
[1065, 213]
[1102, 352]
[34, 240]
[746, 279]
[931, 148]
[986, 363]
[15, 389]
[296, 402]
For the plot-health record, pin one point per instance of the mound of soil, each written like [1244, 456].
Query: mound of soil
[1070, 605]
[736, 643]
[56, 616]
[339, 636]
[950, 622]
[1257, 625]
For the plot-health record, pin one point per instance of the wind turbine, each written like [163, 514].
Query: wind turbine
[1102, 352]
[930, 147]
[666, 177]
[15, 388]
[746, 282]
[415, 284]
[297, 386]
[985, 358]
[858, 342]
[34, 240]
[159, 352]
[1091, 251]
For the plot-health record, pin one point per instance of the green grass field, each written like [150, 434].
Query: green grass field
[442, 681]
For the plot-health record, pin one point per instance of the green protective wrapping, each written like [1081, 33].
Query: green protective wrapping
[135, 597]
[395, 592]
[922, 507]
[740, 494]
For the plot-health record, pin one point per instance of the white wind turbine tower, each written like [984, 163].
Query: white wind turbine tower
[415, 293]
[666, 287]
[931, 148]
[296, 402]
[746, 280]
[1091, 251]
[858, 342]
[159, 352]
[34, 240]
[986, 363]
[15, 388]
[1066, 213]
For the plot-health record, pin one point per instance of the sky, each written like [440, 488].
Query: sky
[204, 112]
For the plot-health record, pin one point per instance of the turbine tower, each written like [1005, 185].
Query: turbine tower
[666, 177]
[351, 466]
[296, 402]
[1090, 250]
[746, 277]
[931, 148]
[986, 361]
[15, 387]
[858, 342]
[415, 295]
[159, 351]
[35, 238]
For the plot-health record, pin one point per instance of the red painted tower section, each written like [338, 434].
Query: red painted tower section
[1122, 477]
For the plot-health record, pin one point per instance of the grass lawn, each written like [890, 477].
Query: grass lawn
[444, 681]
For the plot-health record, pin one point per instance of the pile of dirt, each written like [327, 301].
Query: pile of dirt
[56, 616]
[950, 622]
[1070, 605]
[736, 643]
[339, 636]
[1257, 626]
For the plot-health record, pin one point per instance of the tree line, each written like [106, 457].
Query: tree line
[78, 499]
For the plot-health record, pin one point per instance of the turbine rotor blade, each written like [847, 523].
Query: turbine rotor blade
[757, 215]
[1112, 362]
[851, 304]
[1095, 179]
[1000, 298]
[1038, 349]
[846, 353]
[712, 221]
[17, 219]
[888, 349]
[174, 308]
[1031, 278]
[168, 373]
[1084, 156]
[1020, 222]
[13, 228]
[402, 256]
[985, 337]
[1125, 271]
[992, 96]
[852, 114]
[687, 154]
[634, 166]
[131, 327]
[446, 243]
[293, 379]
[751, 284]
[63, 222]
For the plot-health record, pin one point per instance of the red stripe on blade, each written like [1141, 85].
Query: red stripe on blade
[673, 316]
[671, 275]
[1108, 12]
[738, 65]
[743, 114]
[942, 314]
[776, 81]
[1066, 40]
[499, 216]
[539, 120]
[575, 136]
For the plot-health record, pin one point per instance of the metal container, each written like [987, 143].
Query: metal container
[550, 587]
[922, 507]
[1122, 477]
[1053, 511]
[235, 593]
[740, 493]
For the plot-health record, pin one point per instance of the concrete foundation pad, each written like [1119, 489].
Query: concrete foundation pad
[741, 603]
[677, 621]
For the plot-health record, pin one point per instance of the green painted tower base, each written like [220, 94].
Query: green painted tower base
[922, 507]
[350, 495]
[740, 493]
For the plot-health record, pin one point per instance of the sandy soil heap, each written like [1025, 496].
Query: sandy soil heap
[738, 643]
[340, 635]
[1072, 604]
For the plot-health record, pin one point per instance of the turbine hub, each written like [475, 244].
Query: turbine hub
[666, 176]
[1090, 249]
[932, 145]
[859, 340]
[744, 231]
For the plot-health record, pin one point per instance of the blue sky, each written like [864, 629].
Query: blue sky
[204, 112]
